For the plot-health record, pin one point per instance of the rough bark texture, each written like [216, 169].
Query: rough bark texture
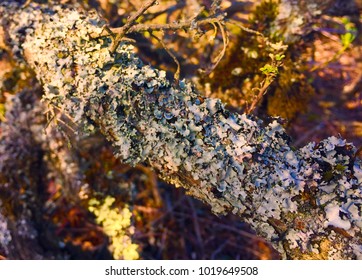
[307, 202]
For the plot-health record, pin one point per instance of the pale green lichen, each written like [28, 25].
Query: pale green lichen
[116, 224]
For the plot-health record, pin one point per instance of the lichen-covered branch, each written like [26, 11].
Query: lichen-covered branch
[307, 202]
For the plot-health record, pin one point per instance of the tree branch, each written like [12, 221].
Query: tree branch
[170, 26]
[131, 21]
[307, 202]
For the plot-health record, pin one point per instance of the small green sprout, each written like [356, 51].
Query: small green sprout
[279, 57]
[347, 39]
[269, 69]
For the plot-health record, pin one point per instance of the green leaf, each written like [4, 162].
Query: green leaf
[269, 69]
[347, 39]
[279, 57]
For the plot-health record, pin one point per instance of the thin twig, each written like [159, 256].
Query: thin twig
[176, 76]
[215, 6]
[27, 3]
[268, 81]
[130, 22]
[168, 10]
[196, 223]
[225, 39]
[246, 29]
[261, 93]
[336, 56]
[168, 26]
[219, 249]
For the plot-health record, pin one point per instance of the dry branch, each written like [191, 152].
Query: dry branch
[307, 202]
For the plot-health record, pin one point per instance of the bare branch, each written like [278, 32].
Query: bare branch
[177, 73]
[169, 26]
[131, 21]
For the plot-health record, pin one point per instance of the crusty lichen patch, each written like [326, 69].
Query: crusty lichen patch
[232, 162]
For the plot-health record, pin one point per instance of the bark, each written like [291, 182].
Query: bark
[306, 202]
[295, 17]
[22, 227]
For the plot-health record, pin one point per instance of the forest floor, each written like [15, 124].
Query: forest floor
[336, 108]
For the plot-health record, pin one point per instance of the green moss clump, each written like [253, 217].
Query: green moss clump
[264, 16]
[291, 92]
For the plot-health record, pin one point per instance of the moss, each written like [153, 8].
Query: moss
[264, 15]
[239, 71]
[291, 93]
[340, 168]
[328, 176]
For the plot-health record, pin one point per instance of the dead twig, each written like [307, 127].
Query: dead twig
[176, 76]
[262, 91]
[215, 6]
[246, 29]
[169, 26]
[167, 10]
[196, 224]
[225, 39]
[27, 3]
[130, 22]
